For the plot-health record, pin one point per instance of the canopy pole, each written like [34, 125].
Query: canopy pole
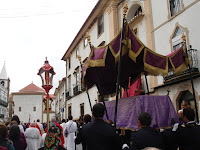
[147, 84]
[79, 58]
[191, 79]
[98, 82]
[119, 67]
[89, 99]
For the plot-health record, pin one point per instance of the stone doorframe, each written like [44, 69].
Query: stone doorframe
[179, 92]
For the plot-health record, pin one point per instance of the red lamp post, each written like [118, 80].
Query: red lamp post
[46, 73]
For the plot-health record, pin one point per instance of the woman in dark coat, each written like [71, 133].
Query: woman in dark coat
[14, 136]
[4, 142]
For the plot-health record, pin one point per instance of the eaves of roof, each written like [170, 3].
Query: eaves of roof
[89, 17]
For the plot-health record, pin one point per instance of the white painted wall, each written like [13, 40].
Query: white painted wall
[159, 12]
[174, 88]
[83, 98]
[187, 2]
[188, 20]
[45, 117]
[84, 52]
[27, 102]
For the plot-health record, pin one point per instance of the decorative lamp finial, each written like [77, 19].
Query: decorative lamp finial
[125, 9]
[183, 38]
[88, 38]
[46, 61]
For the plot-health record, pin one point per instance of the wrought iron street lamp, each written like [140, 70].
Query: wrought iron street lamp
[46, 73]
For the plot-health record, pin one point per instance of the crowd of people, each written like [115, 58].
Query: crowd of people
[93, 133]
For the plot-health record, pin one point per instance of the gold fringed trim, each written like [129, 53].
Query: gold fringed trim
[111, 49]
[99, 62]
[127, 128]
[155, 70]
[124, 48]
[133, 56]
[182, 67]
[135, 36]
[124, 51]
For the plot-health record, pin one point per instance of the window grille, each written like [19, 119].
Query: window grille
[100, 25]
[175, 6]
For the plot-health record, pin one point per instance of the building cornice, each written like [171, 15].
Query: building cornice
[87, 25]
[17, 93]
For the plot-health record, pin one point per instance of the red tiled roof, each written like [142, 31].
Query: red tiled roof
[31, 88]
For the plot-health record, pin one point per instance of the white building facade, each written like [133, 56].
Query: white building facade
[29, 104]
[159, 25]
[4, 94]
[170, 21]
[60, 100]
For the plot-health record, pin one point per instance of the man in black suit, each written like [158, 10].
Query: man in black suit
[188, 136]
[99, 135]
[146, 136]
[79, 138]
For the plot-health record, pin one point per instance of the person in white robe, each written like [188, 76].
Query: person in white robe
[32, 135]
[40, 126]
[63, 125]
[71, 129]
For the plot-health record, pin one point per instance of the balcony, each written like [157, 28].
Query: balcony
[82, 87]
[3, 103]
[193, 59]
[68, 94]
[76, 89]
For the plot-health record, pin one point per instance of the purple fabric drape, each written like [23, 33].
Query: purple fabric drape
[98, 54]
[178, 59]
[160, 108]
[155, 60]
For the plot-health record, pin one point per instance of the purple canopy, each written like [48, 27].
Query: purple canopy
[160, 108]
[136, 59]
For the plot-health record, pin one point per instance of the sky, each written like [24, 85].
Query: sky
[31, 30]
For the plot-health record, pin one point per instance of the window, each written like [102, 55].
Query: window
[77, 52]
[34, 108]
[100, 25]
[76, 75]
[20, 109]
[138, 11]
[69, 110]
[82, 109]
[2, 83]
[85, 42]
[69, 63]
[69, 82]
[175, 6]
[134, 12]
[177, 41]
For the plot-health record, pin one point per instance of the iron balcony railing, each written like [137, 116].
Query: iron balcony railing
[68, 93]
[82, 87]
[3, 103]
[193, 60]
[76, 88]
